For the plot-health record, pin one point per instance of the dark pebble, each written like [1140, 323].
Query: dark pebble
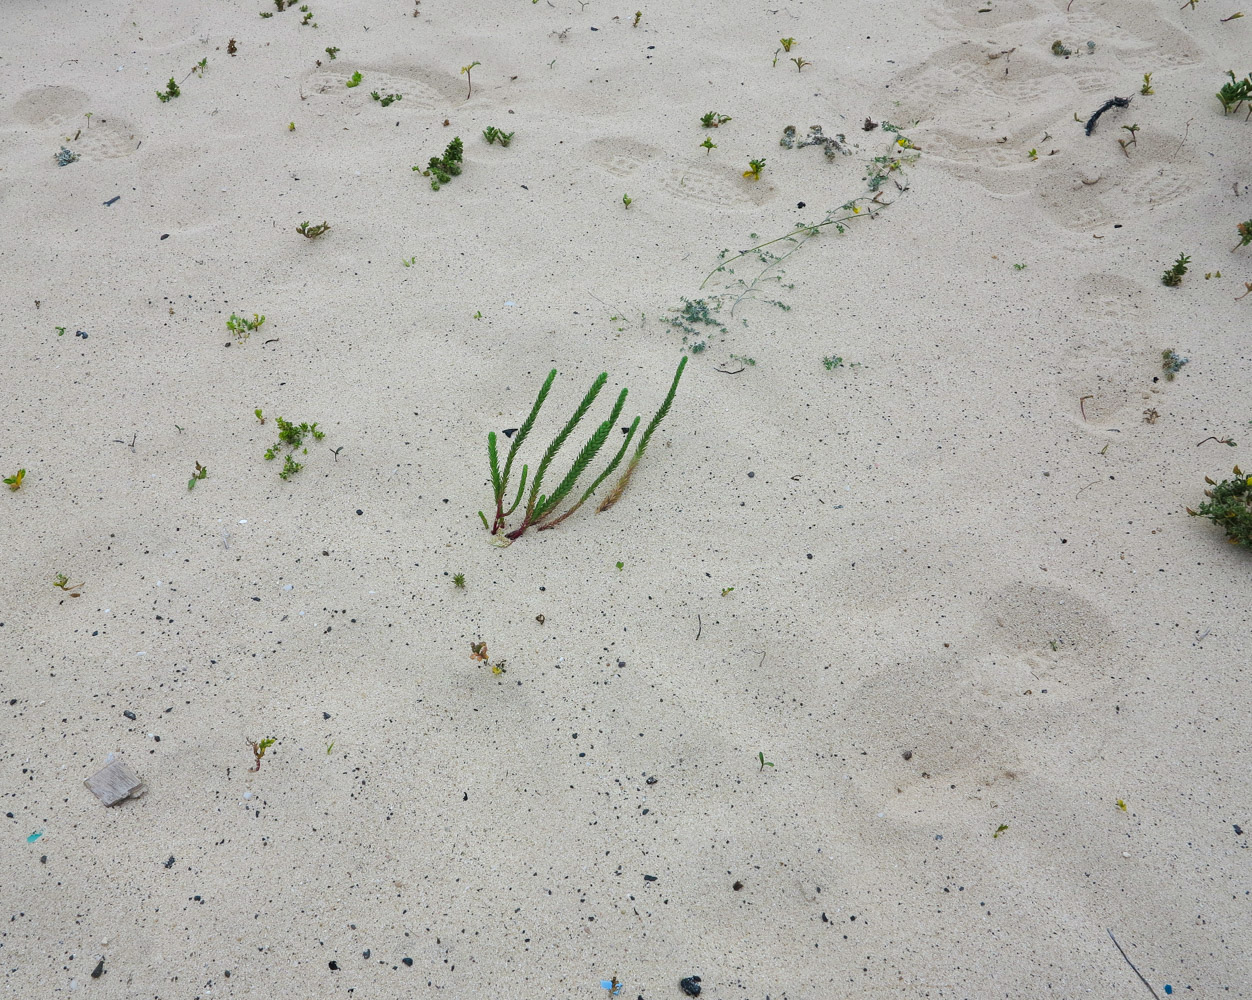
[510, 431]
[43, 859]
[365, 953]
[907, 755]
[359, 511]
[407, 961]
[737, 886]
[165, 236]
[98, 971]
[325, 715]
[825, 919]
[170, 862]
[653, 780]
[257, 599]
[130, 715]
[334, 966]
[1238, 830]
[751, 475]
[690, 986]
[649, 878]
[799, 204]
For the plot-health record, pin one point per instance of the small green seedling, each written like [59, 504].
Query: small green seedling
[330, 748]
[442, 169]
[1229, 506]
[242, 329]
[626, 200]
[746, 362]
[800, 63]
[1245, 234]
[712, 119]
[201, 473]
[199, 67]
[621, 566]
[1019, 267]
[258, 750]
[408, 261]
[60, 331]
[786, 43]
[635, 22]
[1172, 363]
[478, 314]
[754, 169]
[385, 101]
[1147, 84]
[458, 581]
[171, 91]
[832, 362]
[88, 115]
[332, 51]
[709, 145]
[14, 482]
[1173, 277]
[1033, 154]
[1235, 93]
[764, 763]
[493, 134]
[469, 82]
[354, 80]
[259, 415]
[726, 590]
[291, 436]
[1121, 805]
[63, 582]
[999, 830]
[312, 232]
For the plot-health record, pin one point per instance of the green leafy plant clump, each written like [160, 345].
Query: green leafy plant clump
[442, 169]
[169, 93]
[541, 509]
[1173, 277]
[312, 232]
[291, 437]
[1229, 506]
[386, 101]
[354, 80]
[1172, 363]
[1245, 234]
[1235, 93]
[493, 134]
[242, 329]
[712, 119]
[14, 482]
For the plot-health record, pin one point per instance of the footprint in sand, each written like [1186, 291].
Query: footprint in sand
[620, 156]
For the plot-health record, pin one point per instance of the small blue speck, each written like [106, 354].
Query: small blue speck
[1168, 989]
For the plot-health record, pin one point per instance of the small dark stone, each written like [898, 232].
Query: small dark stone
[407, 961]
[907, 755]
[365, 953]
[799, 204]
[653, 780]
[257, 599]
[510, 431]
[165, 236]
[751, 475]
[130, 715]
[43, 859]
[1238, 830]
[690, 986]
[156, 738]
[325, 715]
[737, 886]
[98, 971]
[825, 919]
[359, 511]
[170, 862]
[465, 796]
[649, 878]
[334, 966]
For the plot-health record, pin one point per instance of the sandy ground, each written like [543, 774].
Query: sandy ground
[966, 594]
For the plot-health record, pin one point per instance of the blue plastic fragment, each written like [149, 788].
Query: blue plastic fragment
[614, 988]
[34, 836]
[1168, 989]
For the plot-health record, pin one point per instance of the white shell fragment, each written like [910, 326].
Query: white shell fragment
[114, 782]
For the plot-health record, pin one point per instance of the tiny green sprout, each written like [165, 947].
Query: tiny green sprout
[171, 91]
[458, 581]
[14, 482]
[1121, 805]
[726, 590]
[1213, 274]
[1033, 154]
[800, 63]
[832, 362]
[1232, 17]
[60, 331]
[242, 329]
[1052, 643]
[374, 94]
[1172, 363]
[87, 115]
[258, 750]
[312, 232]
[354, 80]
[267, 13]
[1173, 277]
[709, 145]
[291, 126]
[999, 830]
[786, 43]
[626, 200]
[177, 428]
[754, 169]
[201, 472]
[469, 82]
[479, 314]
[1245, 235]
[408, 261]
[330, 748]
[620, 565]
[332, 50]
[259, 415]
[493, 134]
[764, 763]
[198, 68]
[775, 62]
[635, 22]
[712, 119]
[63, 582]
[1147, 84]
[1019, 267]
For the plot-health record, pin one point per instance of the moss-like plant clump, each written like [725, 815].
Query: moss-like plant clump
[1229, 506]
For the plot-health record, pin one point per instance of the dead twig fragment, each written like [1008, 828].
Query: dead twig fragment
[1082, 406]
[1132, 965]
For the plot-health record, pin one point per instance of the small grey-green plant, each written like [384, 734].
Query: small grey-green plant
[696, 313]
[1173, 277]
[541, 509]
[1172, 363]
[386, 101]
[291, 437]
[65, 157]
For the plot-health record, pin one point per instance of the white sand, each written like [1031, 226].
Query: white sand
[938, 552]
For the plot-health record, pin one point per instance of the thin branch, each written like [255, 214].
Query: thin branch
[1132, 965]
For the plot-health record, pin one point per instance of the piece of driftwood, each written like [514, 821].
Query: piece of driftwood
[114, 782]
